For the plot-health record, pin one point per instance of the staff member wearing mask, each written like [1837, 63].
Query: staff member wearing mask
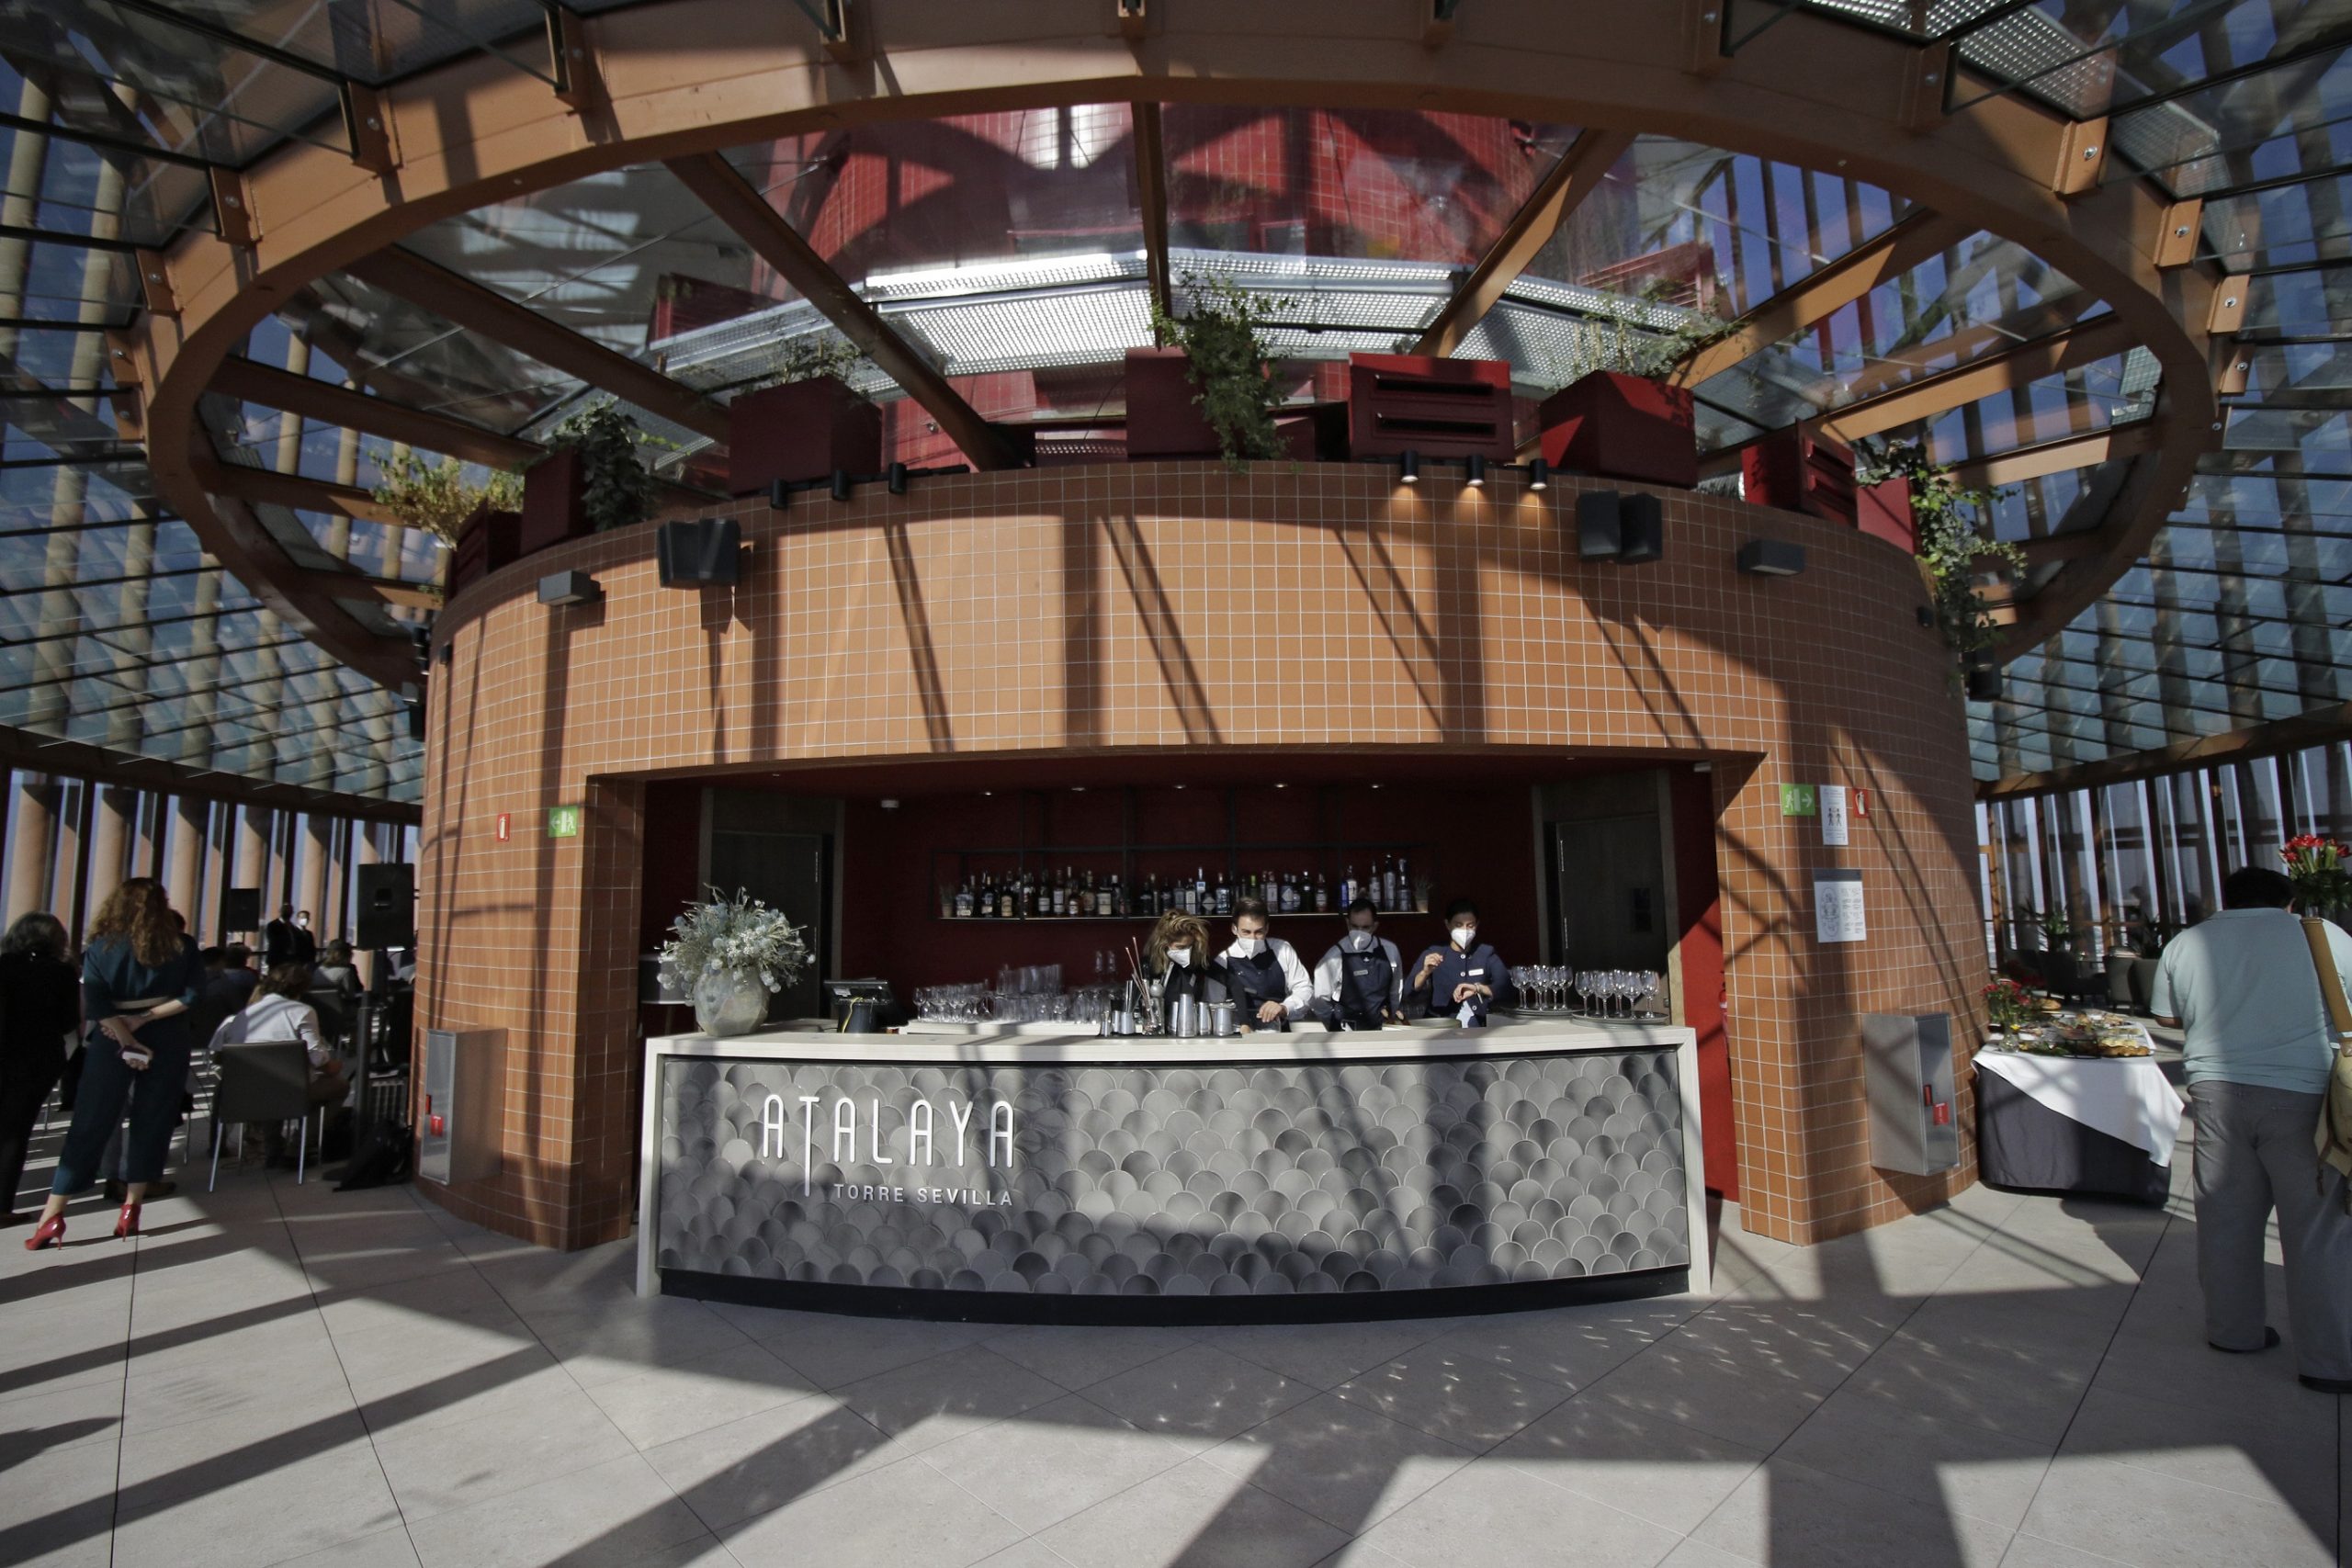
[1463, 978]
[1362, 977]
[1179, 953]
[1270, 985]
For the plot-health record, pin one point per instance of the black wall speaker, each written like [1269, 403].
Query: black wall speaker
[1641, 529]
[387, 913]
[704, 552]
[1983, 685]
[1598, 533]
[239, 909]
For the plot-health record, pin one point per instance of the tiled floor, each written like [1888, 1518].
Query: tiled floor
[281, 1374]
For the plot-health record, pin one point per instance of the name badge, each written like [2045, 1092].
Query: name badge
[1474, 971]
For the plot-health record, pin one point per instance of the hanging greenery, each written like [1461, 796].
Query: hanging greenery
[439, 498]
[806, 358]
[1952, 543]
[1222, 334]
[1618, 346]
[615, 490]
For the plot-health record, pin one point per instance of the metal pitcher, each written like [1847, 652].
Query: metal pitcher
[1184, 1018]
[1221, 1019]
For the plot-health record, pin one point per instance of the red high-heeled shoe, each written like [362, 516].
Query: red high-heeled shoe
[125, 1224]
[50, 1232]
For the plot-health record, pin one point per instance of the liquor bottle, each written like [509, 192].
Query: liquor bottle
[1347, 887]
[1291, 901]
[1322, 892]
[964, 899]
[1224, 895]
[1102, 899]
[1388, 899]
[1404, 880]
[1201, 905]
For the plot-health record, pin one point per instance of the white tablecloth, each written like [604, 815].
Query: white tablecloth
[2124, 1097]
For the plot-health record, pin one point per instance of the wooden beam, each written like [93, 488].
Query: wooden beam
[1576, 176]
[1980, 377]
[291, 489]
[1919, 237]
[2082, 545]
[2319, 726]
[2059, 457]
[742, 208]
[37, 753]
[329, 404]
[427, 284]
[1151, 194]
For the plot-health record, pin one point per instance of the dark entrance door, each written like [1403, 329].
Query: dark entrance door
[1608, 881]
[790, 872]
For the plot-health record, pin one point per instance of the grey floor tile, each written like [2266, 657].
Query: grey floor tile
[904, 1513]
[2186, 1372]
[2032, 1551]
[1657, 1470]
[610, 1515]
[662, 1404]
[1572, 1345]
[1819, 1343]
[1195, 1515]
[1491, 1515]
[516, 1444]
[2292, 1457]
[1061, 1458]
[80, 1413]
[832, 1350]
[240, 1400]
[1198, 1395]
[1345, 1463]
[385, 1549]
[57, 1507]
[1075, 1357]
[1453, 1395]
[727, 1473]
[1031, 1553]
[1321, 1355]
[2159, 1521]
[1788, 1513]
[603, 1341]
[940, 1400]
[1953, 1464]
[1704, 1389]
[186, 1505]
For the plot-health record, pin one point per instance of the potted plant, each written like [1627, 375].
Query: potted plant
[730, 956]
[591, 479]
[1619, 417]
[806, 424]
[1222, 339]
[2318, 868]
[1947, 527]
[477, 520]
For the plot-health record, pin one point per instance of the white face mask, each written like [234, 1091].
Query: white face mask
[1181, 956]
[1466, 937]
[1250, 946]
[1361, 941]
[302, 920]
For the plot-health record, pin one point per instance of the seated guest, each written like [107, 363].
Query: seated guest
[1362, 978]
[278, 1012]
[338, 973]
[1461, 977]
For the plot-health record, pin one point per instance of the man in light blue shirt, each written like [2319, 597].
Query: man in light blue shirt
[2242, 987]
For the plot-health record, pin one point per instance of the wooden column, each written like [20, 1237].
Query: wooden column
[31, 839]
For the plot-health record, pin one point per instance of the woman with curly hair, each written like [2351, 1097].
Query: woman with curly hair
[139, 975]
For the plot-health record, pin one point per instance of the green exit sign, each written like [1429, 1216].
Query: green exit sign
[1799, 800]
[563, 821]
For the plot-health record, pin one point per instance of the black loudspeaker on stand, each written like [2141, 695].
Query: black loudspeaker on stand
[387, 914]
[239, 909]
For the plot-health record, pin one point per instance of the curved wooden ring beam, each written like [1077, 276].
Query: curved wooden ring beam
[664, 80]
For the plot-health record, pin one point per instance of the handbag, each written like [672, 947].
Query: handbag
[2333, 1138]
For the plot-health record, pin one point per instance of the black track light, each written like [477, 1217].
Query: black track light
[1539, 474]
[1409, 468]
[840, 484]
[779, 495]
[898, 478]
[1473, 470]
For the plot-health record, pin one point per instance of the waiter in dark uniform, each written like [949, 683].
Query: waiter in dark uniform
[1270, 985]
[1463, 978]
[1362, 980]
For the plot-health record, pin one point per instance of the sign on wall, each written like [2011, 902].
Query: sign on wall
[1833, 814]
[1797, 800]
[1838, 913]
[563, 821]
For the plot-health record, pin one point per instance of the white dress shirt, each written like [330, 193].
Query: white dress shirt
[1302, 985]
[273, 1017]
[1330, 975]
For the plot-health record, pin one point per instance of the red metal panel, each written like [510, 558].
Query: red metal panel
[1801, 472]
[1438, 408]
[800, 432]
[1621, 427]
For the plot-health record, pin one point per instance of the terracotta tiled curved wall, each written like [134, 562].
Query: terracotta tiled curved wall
[1154, 605]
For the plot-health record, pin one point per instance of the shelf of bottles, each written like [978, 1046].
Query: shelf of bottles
[1291, 880]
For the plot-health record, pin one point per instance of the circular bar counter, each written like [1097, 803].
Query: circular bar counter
[1056, 1177]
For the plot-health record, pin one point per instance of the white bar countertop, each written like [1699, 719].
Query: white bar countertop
[955, 1043]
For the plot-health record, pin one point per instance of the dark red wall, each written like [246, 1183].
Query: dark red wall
[1479, 840]
[1699, 897]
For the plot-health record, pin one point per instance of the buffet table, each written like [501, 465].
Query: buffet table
[2057, 1123]
[992, 1175]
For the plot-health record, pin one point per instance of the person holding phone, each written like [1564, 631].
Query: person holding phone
[139, 975]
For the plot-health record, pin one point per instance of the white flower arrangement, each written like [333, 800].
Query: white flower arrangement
[738, 935]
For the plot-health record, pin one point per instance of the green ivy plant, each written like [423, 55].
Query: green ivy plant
[615, 490]
[438, 497]
[806, 358]
[1616, 346]
[1950, 520]
[1223, 336]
